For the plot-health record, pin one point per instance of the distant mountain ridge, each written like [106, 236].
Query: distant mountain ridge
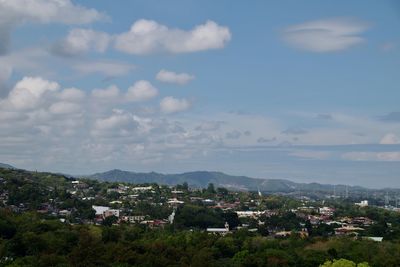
[201, 179]
[6, 166]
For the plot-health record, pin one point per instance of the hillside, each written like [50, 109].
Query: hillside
[6, 166]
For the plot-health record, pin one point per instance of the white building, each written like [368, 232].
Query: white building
[133, 219]
[142, 188]
[222, 231]
[326, 211]
[248, 214]
[100, 209]
[363, 203]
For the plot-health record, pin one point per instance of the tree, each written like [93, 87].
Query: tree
[211, 188]
[222, 191]
[110, 220]
[344, 263]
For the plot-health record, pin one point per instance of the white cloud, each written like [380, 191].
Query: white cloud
[108, 68]
[112, 92]
[326, 35]
[389, 139]
[209, 126]
[79, 41]
[170, 104]
[27, 93]
[372, 156]
[172, 77]
[233, 135]
[72, 94]
[148, 36]
[310, 154]
[16, 12]
[64, 107]
[114, 121]
[142, 90]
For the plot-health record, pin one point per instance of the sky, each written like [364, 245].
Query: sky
[300, 90]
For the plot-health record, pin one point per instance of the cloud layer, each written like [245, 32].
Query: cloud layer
[327, 35]
[172, 77]
[17, 12]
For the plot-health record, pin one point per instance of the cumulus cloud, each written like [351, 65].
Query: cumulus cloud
[142, 90]
[170, 104]
[72, 94]
[16, 12]
[326, 35]
[79, 41]
[389, 139]
[64, 107]
[27, 93]
[108, 68]
[115, 121]
[172, 77]
[109, 93]
[148, 36]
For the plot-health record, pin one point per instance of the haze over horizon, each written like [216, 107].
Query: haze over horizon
[266, 90]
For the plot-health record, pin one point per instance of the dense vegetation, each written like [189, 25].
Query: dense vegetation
[29, 237]
[29, 240]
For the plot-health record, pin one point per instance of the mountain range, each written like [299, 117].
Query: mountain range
[6, 166]
[201, 179]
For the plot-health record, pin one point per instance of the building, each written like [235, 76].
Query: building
[327, 211]
[222, 231]
[111, 212]
[363, 203]
[100, 209]
[133, 219]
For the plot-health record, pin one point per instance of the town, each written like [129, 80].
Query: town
[36, 206]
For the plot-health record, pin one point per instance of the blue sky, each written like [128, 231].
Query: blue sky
[305, 90]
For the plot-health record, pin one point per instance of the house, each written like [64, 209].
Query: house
[283, 234]
[348, 230]
[64, 213]
[142, 188]
[174, 201]
[100, 209]
[222, 231]
[133, 219]
[111, 212]
[374, 238]
[249, 214]
[363, 203]
[327, 211]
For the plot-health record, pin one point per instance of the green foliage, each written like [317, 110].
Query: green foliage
[190, 216]
[343, 263]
